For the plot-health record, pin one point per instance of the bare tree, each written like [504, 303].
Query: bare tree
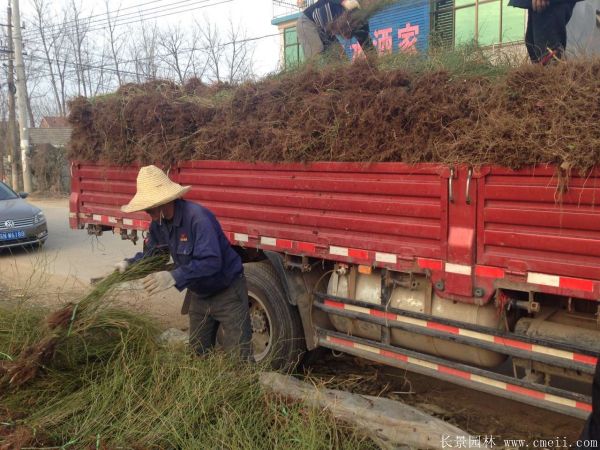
[239, 55]
[115, 40]
[143, 51]
[179, 53]
[77, 33]
[75, 56]
[229, 57]
[36, 81]
[49, 38]
[212, 47]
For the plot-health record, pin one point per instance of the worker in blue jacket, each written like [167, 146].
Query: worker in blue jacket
[205, 263]
[546, 35]
[314, 30]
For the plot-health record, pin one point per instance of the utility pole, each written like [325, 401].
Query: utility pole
[21, 96]
[12, 122]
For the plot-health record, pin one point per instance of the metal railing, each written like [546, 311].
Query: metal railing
[287, 7]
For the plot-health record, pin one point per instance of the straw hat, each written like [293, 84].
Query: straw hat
[154, 188]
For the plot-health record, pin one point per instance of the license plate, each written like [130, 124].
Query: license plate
[12, 235]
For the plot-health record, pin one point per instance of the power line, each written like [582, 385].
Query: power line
[160, 16]
[154, 17]
[110, 68]
[83, 20]
[140, 19]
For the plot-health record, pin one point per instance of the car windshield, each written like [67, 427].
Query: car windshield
[6, 193]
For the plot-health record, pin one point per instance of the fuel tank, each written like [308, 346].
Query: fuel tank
[416, 298]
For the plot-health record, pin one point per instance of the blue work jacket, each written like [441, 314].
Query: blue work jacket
[323, 12]
[204, 260]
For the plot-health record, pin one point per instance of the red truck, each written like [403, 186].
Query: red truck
[444, 271]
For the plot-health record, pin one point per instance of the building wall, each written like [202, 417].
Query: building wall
[402, 27]
[414, 25]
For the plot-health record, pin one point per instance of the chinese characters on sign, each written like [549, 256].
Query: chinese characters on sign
[384, 41]
[408, 37]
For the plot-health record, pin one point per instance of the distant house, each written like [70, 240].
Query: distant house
[54, 122]
[49, 157]
[53, 130]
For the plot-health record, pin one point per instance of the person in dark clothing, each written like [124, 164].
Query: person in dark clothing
[314, 26]
[205, 263]
[591, 429]
[546, 35]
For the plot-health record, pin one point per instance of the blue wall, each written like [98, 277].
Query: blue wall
[406, 24]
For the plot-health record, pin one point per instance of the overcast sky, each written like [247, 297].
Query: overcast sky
[254, 15]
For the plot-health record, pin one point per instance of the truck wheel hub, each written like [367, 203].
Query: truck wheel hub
[258, 320]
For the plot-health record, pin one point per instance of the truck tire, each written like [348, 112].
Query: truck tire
[277, 336]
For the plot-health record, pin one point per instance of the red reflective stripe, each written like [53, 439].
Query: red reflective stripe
[284, 243]
[525, 391]
[359, 254]
[511, 343]
[489, 272]
[343, 342]
[433, 264]
[591, 360]
[393, 355]
[307, 247]
[333, 304]
[440, 327]
[455, 372]
[585, 406]
[384, 315]
[576, 283]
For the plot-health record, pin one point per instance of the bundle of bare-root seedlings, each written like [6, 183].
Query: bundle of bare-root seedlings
[95, 375]
[451, 107]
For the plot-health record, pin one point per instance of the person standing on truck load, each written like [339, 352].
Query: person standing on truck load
[314, 26]
[546, 35]
[205, 263]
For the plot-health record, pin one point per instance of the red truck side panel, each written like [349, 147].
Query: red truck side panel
[391, 208]
[526, 225]
[482, 226]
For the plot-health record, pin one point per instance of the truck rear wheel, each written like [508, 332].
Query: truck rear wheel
[277, 336]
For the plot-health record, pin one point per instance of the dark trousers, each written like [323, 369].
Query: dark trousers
[591, 430]
[228, 308]
[546, 34]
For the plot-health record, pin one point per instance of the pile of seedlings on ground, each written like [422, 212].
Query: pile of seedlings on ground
[92, 375]
[457, 109]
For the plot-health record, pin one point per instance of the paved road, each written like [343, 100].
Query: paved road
[70, 259]
[69, 253]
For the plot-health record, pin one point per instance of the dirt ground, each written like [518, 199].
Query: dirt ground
[49, 281]
[477, 413]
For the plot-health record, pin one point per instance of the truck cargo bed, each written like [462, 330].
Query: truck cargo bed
[470, 228]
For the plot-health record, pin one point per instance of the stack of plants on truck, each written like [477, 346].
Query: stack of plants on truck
[458, 108]
[93, 375]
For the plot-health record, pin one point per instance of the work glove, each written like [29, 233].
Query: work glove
[122, 266]
[349, 5]
[158, 281]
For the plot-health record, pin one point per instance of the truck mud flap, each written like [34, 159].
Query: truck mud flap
[553, 353]
[550, 398]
